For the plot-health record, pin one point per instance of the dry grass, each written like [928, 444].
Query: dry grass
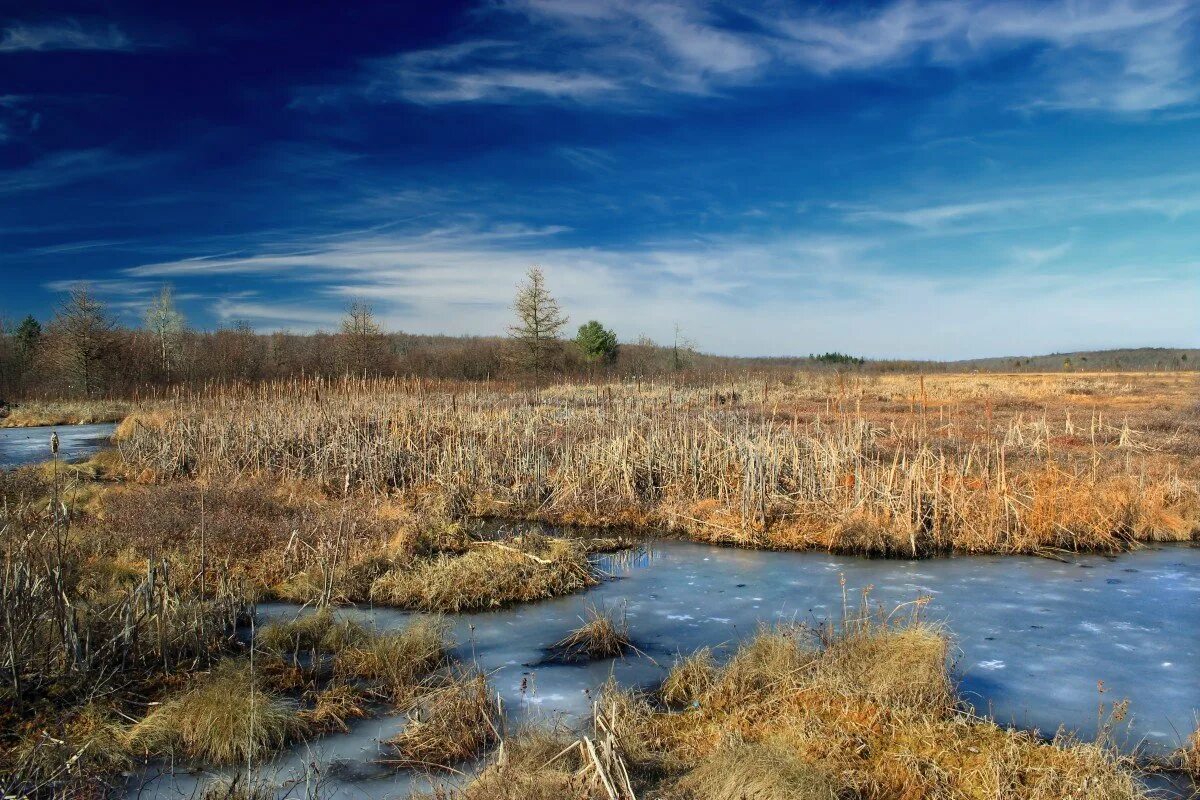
[333, 707]
[602, 635]
[891, 465]
[691, 678]
[450, 724]
[312, 633]
[765, 771]
[33, 413]
[864, 710]
[535, 764]
[397, 665]
[491, 575]
[75, 753]
[227, 717]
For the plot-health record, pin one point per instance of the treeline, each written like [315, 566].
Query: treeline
[83, 351]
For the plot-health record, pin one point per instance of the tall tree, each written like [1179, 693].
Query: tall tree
[539, 323]
[597, 343]
[363, 345]
[83, 334]
[167, 325]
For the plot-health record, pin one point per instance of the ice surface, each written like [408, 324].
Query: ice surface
[21, 446]
[1034, 638]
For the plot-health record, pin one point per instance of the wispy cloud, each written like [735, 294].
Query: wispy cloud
[1110, 55]
[70, 167]
[67, 34]
[778, 295]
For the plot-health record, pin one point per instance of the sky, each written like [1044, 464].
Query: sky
[916, 178]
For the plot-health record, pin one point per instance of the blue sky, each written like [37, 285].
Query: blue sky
[922, 178]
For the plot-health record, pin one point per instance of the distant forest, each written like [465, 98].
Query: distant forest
[83, 351]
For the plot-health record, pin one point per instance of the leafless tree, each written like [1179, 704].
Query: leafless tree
[363, 345]
[167, 326]
[83, 336]
[539, 323]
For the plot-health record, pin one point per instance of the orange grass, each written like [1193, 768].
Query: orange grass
[885, 465]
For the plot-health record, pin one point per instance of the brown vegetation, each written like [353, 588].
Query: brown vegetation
[890, 465]
[862, 711]
[229, 716]
[602, 635]
[450, 724]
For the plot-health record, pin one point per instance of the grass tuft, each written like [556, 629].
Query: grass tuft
[491, 575]
[602, 635]
[397, 664]
[451, 723]
[226, 718]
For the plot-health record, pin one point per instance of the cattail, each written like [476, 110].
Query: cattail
[54, 442]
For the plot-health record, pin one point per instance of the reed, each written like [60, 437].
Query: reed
[973, 463]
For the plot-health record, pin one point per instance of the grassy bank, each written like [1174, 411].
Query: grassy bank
[893, 465]
[34, 413]
[867, 710]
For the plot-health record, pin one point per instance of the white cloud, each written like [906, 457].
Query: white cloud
[1111, 55]
[785, 295]
[63, 35]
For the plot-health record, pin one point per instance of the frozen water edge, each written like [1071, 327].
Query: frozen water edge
[1034, 638]
[23, 446]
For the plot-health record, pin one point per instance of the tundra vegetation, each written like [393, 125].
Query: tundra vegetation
[127, 581]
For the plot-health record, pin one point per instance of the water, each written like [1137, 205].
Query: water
[22, 446]
[1034, 637]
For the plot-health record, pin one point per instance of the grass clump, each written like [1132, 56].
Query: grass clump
[691, 678]
[536, 764]
[491, 575]
[333, 706]
[238, 787]
[316, 633]
[602, 635]
[72, 756]
[766, 771]
[225, 718]
[397, 665]
[450, 724]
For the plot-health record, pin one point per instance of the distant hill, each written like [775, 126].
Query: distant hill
[1136, 359]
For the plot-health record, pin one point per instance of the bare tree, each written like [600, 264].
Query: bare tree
[166, 324]
[539, 322]
[363, 345]
[83, 333]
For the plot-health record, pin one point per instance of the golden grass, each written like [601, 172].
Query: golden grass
[602, 635]
[883, 465]
[85, 747]
[34, 413]
[333, 706]
[764, 771]
[536, 764]
[452, 723]
[865, 710]
[397, 664]
[318, 632]
[491, 575]
[227, 717]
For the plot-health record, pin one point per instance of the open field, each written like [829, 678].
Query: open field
[128, 578]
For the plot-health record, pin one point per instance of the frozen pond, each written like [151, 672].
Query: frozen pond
[22, 446]
[1035, 636]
